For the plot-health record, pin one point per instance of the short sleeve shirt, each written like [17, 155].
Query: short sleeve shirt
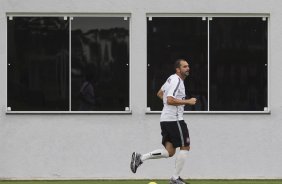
[174, 87]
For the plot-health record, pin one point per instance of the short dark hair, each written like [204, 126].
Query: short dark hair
[177, 63]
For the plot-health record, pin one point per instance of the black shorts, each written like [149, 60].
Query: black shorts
[175, 132]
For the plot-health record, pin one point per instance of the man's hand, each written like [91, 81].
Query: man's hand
[192, 101]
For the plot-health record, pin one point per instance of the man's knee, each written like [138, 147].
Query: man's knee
[170, 149]
[171, 152]
[185, 148]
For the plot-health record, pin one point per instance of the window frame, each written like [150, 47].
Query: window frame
[209, 17]
[70, 16]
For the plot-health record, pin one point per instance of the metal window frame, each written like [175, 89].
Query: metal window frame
[127, 17]
[208, 17]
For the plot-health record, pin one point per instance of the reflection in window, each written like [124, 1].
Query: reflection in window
[238, 64]
[100, 64]
[38, 64]
[171, 38]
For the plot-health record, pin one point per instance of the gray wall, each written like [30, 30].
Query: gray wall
[99, 146]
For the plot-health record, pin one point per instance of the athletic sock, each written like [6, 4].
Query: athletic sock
[160, 153]
[179, 163]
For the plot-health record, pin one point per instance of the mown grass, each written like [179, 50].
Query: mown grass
[138, 181]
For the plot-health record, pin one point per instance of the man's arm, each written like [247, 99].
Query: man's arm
[160, 94]
[174, 101]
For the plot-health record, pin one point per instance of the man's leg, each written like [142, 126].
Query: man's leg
[137, 159]
[180, 161]
[156, 154]
[169, 147]
[169, 151]
[183, 153]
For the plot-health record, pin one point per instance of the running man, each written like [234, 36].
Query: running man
[175, 133]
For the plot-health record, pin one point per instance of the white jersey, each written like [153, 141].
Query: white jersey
[174, 87]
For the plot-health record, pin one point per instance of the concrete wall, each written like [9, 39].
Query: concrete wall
[99, 146]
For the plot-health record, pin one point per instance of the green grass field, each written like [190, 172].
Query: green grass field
[140, 182]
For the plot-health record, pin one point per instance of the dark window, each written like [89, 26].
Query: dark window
[171, 38]
[237, 58]
[100, 63]
[238, 64]
[38, 64]
[43, 76]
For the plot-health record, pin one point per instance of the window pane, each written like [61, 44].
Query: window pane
[172, 38]
[238, 64]
[100, 63]
[38, 64]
